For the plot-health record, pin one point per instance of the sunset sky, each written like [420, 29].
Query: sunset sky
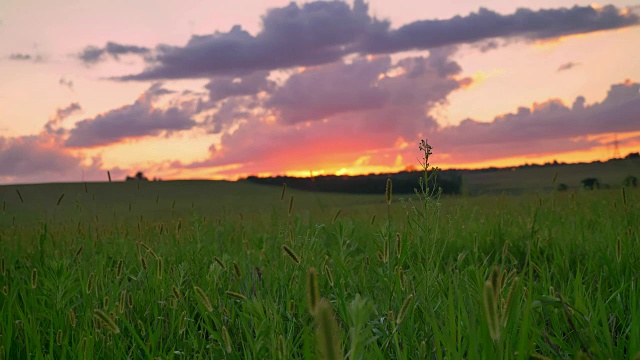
[221, 90]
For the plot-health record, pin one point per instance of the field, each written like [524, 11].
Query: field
[540, 179]
[234, 270]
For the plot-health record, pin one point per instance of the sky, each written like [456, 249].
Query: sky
[209, 90]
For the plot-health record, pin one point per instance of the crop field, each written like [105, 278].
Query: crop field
[221, 270]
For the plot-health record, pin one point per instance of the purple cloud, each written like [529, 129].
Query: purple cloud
[323, 32]
[545, 128]
[92, 54]
[224, 87]
[137, 120]
[567, 66]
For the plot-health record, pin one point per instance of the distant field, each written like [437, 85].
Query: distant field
[163, 200]
[536, 179]
[222, 270]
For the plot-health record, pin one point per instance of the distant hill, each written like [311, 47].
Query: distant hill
[512, 180]
[527, 178]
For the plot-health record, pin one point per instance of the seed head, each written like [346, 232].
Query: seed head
[204, 299]
[290, 205]
[72, 318]
[226, 339]
[388, 191]
[291, 253]
[20, 196]
[90, 283]
[327, 332]
[284, 189]
[237, 270]
[404, 308]
[236, 295]
[217, 259]
[60, 199]
[34, 278]
[313, 294]
[119, 268]
[329, 274]
[491, 310]
[106, 320]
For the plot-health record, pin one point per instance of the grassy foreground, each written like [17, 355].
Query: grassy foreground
[127, 273]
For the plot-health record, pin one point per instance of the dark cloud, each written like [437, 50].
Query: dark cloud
[26, 57]
[311, 34]
[487, 24]
[567, 66]
[137, 120]
[227, 86]
[545, 128]
[323, 32]
[66, 83]
[92, 54]
[20, 57]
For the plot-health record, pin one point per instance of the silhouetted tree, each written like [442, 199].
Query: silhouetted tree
[631, 181]
[590, 183]
[139, 177]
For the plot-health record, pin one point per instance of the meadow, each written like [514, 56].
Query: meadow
[187, 270]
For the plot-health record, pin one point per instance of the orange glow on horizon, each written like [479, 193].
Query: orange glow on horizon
[366, 164]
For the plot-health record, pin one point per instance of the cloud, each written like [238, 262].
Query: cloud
[41, 158]
[487, 24]
[30, 155]
[224, 87]
[228, 114]
[311, 34]
[53, 125]
[323, 32]
[92, 54]
[26, 57]
[545, 128]
[66, 83]
[567, 66]
[320, 92]
[140, 119]
[335, 114]
[20, 57]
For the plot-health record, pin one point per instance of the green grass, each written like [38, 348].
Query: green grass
[121, 275]
[540, 179]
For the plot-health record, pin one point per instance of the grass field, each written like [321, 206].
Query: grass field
[233, 270]
[540, 179]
